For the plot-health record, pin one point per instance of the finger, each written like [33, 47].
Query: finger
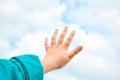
[69, 39]
[53, 39]
[62, 36]
[75, 51]
[46, 44]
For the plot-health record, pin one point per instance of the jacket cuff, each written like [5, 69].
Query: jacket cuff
[31, 65]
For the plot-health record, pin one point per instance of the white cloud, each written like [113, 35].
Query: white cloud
[27, 22]
[4, 47]
[101, 16]
[105, 17]
[10, 7]
[21, 17]
[46, 18]
[98, 58]
[56, 75]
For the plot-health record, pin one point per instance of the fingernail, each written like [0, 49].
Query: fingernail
[56, 29]
[73, 31]
[66, 27]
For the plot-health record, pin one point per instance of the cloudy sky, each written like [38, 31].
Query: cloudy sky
[25, 23]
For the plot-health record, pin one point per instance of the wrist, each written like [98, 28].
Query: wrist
[47, 65]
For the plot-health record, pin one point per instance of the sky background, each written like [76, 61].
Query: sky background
[24, 24]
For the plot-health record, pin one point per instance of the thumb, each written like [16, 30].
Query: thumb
[75, 51]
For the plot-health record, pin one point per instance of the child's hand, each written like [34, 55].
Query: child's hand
[56, 53]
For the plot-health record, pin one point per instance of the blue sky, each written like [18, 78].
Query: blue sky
[25, 23]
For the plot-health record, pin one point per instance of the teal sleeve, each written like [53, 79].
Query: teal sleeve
[25, 67]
